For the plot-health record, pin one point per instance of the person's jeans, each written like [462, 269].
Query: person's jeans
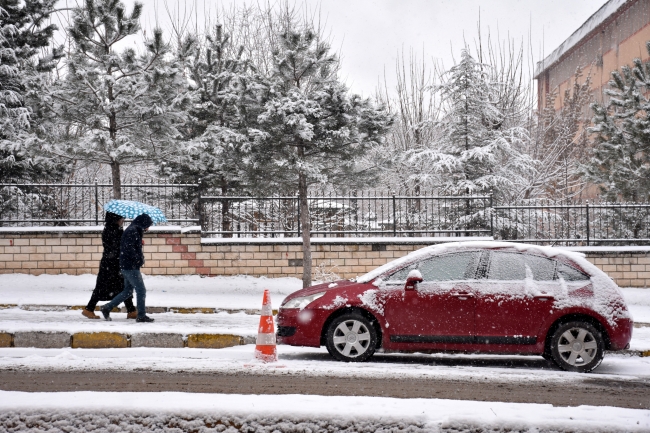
[132, 280]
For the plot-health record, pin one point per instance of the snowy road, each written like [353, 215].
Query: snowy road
[592, 391]
[620, 381]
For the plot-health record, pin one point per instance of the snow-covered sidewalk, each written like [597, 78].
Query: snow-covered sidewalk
[221, 293]
[174, 411]
[192, 291]
[14, 320]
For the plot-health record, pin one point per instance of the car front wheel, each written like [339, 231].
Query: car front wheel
[577, 346]
[351, 338]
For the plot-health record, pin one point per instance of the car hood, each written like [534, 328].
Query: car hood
[324, 287]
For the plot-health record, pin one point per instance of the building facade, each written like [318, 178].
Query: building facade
[612, 37]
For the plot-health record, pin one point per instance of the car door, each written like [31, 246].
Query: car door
[441, 308]
[514, 298]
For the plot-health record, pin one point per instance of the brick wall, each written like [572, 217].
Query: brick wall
[78, 251]
[175, 252]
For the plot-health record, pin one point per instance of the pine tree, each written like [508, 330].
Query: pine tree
[23, 34]
[620, 164]
[125, 108]
[480, 152]
[313, 128]
[221, 118]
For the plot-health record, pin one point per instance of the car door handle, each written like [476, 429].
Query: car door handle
[463, 296]
[544, 297]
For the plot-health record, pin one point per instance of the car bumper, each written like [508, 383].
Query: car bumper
[620, 336]
[300, 327]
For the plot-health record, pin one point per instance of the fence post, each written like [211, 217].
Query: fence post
[492, 214]
[200, 204]
[96, 203]
[588, 223]
[394, 218]
[298, 203]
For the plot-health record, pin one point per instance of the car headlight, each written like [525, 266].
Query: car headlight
[302, 301]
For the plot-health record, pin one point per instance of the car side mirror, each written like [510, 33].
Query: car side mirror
[414, 277]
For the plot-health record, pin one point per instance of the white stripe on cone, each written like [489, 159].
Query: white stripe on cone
[265, 339]
[267, 310]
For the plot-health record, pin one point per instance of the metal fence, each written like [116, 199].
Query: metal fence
[353, 215]
[77, 204]
[357, 214]
[573, 224]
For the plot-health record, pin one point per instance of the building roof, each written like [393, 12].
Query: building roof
[598, 18]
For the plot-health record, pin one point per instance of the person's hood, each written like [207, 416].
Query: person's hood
[143, 221]
[112, 219]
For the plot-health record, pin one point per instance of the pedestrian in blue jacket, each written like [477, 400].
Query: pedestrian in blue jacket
[131, 260]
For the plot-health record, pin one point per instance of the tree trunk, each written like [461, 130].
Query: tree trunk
[305, 230]
[117, 182]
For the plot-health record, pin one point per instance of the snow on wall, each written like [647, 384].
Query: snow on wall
[176, 412]
[594, 21]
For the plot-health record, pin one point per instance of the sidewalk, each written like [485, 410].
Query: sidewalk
[179, 292]
[44, 311]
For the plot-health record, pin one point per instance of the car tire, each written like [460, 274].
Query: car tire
[577, 346]
[351, 338]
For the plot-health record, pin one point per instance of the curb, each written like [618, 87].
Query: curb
[118, 340]
[150, 310]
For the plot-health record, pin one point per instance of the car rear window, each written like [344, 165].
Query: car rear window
[448, 267]
[569, 273]
[506, 265]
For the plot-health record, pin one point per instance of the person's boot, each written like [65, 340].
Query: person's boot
[132, 315]
[106, 313]
[144, 319]
[89, 314]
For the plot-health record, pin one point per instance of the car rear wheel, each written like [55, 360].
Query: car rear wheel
[577, 346]
[351, 338]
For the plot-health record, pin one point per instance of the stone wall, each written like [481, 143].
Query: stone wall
[173, 251]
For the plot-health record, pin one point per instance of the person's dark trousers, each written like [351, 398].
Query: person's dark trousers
[132, 281]
[94, 299]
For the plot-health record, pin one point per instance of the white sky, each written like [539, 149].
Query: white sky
[369, 33]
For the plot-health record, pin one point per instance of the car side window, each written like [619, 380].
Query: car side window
[448, 267]
[543, 268]
[506, 265]
[569, 273]
[400, 276]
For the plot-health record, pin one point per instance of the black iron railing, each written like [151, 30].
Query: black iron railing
[78, 204]
[573, 224]
[353, 215]
[356, 214]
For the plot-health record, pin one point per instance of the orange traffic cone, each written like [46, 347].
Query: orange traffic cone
[265, 346]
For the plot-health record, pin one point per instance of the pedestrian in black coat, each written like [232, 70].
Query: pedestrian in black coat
[110, 282]
[131, 260]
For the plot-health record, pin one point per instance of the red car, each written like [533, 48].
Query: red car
[488, 297]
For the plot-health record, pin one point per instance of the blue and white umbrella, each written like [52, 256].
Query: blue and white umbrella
[131, 209]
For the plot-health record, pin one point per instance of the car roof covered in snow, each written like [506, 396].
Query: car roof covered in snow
[575, 257]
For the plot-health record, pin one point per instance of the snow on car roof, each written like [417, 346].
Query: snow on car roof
[578, 258]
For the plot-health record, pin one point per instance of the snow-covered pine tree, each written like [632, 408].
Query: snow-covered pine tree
[620, 163]
[124, 107]
[221, 117]
[479, 151]
[314, 129]
[24, 32]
